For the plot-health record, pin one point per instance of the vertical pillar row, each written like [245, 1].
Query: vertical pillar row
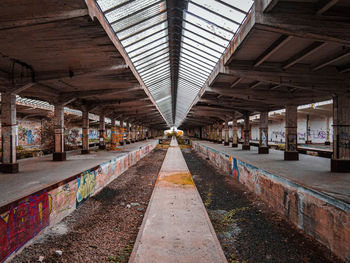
[263, 133]
[226, 143]
[59, 153]
[308, 130]
[327, 142]
[246, 143]
[234, 133]
[340, 161]
[114, 135]
[85, 129]
[128, 137]
[8, 133]
[291, 152]
[102, 130]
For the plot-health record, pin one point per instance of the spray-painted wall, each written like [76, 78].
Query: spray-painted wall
[277, 130]
[28, 134]
[321, 216]
[24, 219]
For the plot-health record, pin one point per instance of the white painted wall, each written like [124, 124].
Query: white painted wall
[318, 129]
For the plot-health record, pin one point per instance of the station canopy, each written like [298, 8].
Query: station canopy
[175, 44]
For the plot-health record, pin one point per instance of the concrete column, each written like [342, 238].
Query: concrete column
[121, 142]
[263, 133]
[220, 126]
[291, 152]
[234, 133]
[8, 131]
[114, 137]
[308, 130]
[59, 153]
[341, 134]
[102, 130]
[246, 143]
[128, 137]
[327, 142]
[226, 143]
[85, 129]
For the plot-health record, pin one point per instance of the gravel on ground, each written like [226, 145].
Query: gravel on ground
[248, 230]
[105, 227]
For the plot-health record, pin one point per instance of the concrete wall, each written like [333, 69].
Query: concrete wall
[318, 215]
[277, 131]
[23, 220]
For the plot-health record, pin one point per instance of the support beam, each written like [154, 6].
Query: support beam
[263, 133]
[291, 152]
[234, 133]
[303, 54]
[341, 134]
[59, 153]
[226, 142]
[102, 131]
[85, 130]
[325, 5]
[246, 142]
[279, 43]
[8, 133]
[114, 138]
[308, 130]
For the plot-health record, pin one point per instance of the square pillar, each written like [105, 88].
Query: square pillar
[291, 152]
[308, 130]
[102, 130]
[226, 143]
[59, 153]
[85, 129]
[220, 126]
[327, 142]
[234, 133]
[246, 143]
[263, 133]
[128, 138]
[114, 136]
[8, 133]
[340, 161]
[121, 132]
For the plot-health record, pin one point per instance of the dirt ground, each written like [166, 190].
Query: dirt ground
[105, 227]
[248, 230]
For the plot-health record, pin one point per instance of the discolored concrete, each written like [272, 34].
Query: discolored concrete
[176, 227]
[38, 173]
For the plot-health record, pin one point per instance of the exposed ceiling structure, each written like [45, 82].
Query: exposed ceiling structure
[55, 52]
[174, 45]
[286, 52]
[184, 63]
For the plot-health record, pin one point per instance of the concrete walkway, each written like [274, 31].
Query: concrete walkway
[310, 171]
[40, 172]
[176, 227]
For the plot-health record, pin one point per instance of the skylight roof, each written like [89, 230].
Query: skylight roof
[142, 28]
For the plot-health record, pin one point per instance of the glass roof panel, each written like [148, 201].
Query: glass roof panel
[142, 28]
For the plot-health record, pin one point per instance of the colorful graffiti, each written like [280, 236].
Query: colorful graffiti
[27, 136]
[24, 222]
[86, 183]
[234, 168]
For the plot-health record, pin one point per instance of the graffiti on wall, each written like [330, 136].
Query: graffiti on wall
[29, 136]
[24, 222]
[234, 172]
[86, 183]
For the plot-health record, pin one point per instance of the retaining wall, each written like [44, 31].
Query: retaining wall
[23, 220]
[319, 215]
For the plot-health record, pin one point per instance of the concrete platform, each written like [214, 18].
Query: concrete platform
[41, 172]
[310, 171]
[304, 192]
[176, 227]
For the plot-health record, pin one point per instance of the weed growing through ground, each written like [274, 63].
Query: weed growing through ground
[123, 254]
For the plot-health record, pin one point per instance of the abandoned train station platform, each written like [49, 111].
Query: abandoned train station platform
[258, 90]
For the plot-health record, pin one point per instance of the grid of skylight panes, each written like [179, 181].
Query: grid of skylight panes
[142, 28]
[208, 27]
